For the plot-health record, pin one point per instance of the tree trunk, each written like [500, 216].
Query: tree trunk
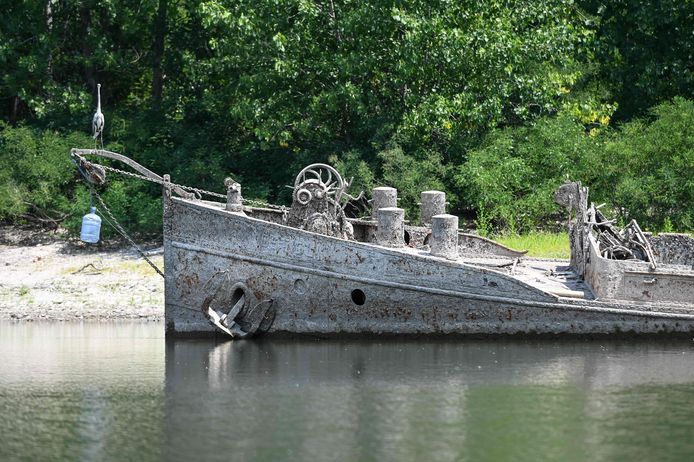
[89, 73]
[14, 110]
[158, 53]
[50, 6]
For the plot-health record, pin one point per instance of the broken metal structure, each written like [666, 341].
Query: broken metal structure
[243, 268]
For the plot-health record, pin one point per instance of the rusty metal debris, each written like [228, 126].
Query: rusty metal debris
[627, 244]
[318, 194]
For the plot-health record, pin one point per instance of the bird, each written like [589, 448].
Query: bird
[98, 120]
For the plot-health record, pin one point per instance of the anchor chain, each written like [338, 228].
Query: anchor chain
[111, 219]
[200, 192]
[113, 222]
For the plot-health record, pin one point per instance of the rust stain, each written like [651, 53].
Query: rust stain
[186, 282]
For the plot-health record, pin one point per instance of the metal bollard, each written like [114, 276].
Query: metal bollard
[391, 227]
[444, 236]
[233, 196]
[433, 203]
[383, 197]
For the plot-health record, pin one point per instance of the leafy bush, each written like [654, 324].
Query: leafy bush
[649, 168]
[511, 178]
[643, 170]
[36, 174]
[39, 184]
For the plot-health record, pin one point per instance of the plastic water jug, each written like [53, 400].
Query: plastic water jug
[91, 227]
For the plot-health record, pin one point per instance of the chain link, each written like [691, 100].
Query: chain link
[113, 222]
[157, 181]
[187, 188]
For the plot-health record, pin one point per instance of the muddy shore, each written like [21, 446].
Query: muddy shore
[44, 276]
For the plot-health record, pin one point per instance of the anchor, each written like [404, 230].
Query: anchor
[245, 318]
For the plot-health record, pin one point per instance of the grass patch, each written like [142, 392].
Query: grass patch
[139, 267]
[135, 266]
[542, 245]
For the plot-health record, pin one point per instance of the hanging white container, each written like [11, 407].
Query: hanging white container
[91, 227]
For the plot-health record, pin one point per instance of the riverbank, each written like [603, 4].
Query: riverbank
[44, 276]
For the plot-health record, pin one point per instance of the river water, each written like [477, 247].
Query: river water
[93, 391]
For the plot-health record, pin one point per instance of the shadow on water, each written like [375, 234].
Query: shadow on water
[121, 392]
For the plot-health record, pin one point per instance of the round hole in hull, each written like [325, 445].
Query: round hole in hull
[358, 297]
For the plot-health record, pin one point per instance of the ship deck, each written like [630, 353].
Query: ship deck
[549, 275]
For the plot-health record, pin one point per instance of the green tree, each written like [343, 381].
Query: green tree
[301, 81]
[644, 50]
[649, 168]
[511, 178]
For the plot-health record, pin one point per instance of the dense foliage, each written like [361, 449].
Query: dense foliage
[644, 170]
[495, 102]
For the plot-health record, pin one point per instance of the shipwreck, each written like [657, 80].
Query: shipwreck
[240, 268]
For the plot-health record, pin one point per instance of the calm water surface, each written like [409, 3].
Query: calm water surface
[121, 392]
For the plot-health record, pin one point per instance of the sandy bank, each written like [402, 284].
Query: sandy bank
[44, 277]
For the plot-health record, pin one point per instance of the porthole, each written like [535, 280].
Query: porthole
[358, 297]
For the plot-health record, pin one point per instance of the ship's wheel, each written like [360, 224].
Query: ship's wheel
[319, 181]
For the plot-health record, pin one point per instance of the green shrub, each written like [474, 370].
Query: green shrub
[650, 168]
[510, 179]
[644, 170]
[39, 184]
[36, 174]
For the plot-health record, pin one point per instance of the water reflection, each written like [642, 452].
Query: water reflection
[121, 392]
[81, 391]
[348, 400]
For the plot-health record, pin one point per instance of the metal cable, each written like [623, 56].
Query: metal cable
[110, 219]
[184, 187]
[114, 223]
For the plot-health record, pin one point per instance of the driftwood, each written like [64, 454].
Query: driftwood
[42, 217]
[95, 270]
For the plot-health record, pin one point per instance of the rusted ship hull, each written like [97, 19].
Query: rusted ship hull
[318, 284]
[232, 269]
